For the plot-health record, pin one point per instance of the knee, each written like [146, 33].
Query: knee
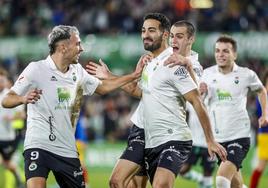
[116, 182]
[237, 183]
[222, 182]
[161, 184]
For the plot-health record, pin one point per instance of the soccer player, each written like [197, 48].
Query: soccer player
[8, 138]
[52, 89]
[162, 111]
[182, 35]
[226, 86]
[262, 141]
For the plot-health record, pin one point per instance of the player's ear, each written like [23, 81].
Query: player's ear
[191, 39]
[165, 35]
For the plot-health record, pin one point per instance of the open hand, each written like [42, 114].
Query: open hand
[216, 148]
[100, 70]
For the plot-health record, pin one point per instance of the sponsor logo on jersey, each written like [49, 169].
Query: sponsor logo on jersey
[223, 95]
[63, 94]
[64, 97]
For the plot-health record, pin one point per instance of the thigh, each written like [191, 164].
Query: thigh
[36, 163]
[68, 172]
[169, 156]
[124, 171]
[237, 151]
[135, 148]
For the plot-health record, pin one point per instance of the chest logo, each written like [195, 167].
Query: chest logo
[236, 81]
[223, 95]
[182, 72]
[63, 94]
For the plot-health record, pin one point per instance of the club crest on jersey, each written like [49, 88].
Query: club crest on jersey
[182, 72]
[74, 77]
[236, 80]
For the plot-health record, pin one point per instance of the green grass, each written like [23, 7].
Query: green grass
[98, 176]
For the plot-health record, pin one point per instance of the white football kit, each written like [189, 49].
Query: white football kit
[163, 104]
[51, 121]
[227, 98]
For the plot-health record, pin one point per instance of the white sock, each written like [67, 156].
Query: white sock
[222, 182]
[194, 176]
[244, 186]
[207, 182]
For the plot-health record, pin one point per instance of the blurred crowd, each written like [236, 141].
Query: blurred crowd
[108, 117]
[34, 17]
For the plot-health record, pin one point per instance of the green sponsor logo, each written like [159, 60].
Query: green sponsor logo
[223, 95]
[63, 94]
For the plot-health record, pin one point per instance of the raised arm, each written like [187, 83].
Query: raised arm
[12, 99]
[213, 147]
[102, 72]
[119, 81]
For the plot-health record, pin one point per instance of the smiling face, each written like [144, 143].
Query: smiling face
[224, 54]
[151, 35]
[73, 48]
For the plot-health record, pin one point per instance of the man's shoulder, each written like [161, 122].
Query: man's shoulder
[210, 69]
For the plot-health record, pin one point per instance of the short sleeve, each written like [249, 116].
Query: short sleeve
[89, 83]
[254, 81]
[182, 80]
[25, 80]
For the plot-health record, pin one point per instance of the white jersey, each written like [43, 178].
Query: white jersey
[193, 121]
[51, 121]
[227, 98]
[7, 133]
[164, 114]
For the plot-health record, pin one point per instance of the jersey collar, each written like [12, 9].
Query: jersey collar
[51, 63]
[235, 68]
[163, 55]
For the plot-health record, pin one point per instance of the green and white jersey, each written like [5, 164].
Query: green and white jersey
[51, 121]
[7, 133]
[227, 98]
[193, 121]
[164, 114]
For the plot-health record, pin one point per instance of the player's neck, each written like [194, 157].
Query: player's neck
[59, 63]
[159, 50]
[226, 69]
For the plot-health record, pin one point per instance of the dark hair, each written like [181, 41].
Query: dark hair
[228, 39]
[189, 26]
[58, 33]
[164, 21]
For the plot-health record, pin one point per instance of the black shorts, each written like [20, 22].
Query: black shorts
[236, 151]
[7, 148]
[67, 171]
[201, 154]
[135, 149]
[170, 155]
